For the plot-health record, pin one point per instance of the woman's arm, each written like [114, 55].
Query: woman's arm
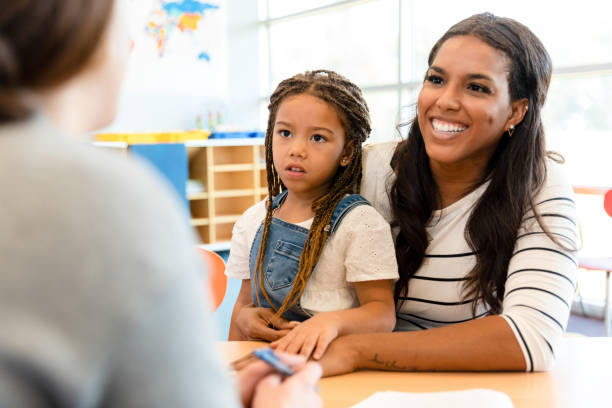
[542, 273]
[376, 314]
[538, 293]
[486, 344]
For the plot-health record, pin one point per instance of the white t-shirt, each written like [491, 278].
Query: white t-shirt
[541, 275]
[361, 249]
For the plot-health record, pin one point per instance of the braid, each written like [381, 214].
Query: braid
[354, 115]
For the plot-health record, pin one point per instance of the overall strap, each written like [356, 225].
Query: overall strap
[344, 206]
[278, 200]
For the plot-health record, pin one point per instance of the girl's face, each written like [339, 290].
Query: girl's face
[307, 145]
[464, 106]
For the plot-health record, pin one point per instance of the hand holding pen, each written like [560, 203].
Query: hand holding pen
[266, 381]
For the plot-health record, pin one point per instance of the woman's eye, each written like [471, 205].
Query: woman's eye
[285, 133]
[318, 138]
[434, 79]
[479, 88]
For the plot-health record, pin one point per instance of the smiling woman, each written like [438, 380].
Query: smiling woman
[484, 221]
[465, 107]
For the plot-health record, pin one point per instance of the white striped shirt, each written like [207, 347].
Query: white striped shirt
[541, 275]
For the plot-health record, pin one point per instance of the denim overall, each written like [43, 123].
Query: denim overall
[282, 258]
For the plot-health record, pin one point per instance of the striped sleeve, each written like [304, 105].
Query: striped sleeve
[542, 273]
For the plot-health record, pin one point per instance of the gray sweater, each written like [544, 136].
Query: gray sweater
[101, 296]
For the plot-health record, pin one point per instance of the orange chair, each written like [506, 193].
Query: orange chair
[602, 264]
[217, 281]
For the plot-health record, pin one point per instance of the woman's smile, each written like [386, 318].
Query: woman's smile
[446, 130]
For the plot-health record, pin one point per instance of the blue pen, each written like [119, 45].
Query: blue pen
[268, 356]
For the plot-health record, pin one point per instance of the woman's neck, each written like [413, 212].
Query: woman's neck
[456, 180]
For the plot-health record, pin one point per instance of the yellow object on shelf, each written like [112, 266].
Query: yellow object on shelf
[155, 137]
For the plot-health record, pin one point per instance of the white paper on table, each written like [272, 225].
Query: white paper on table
[474, 398]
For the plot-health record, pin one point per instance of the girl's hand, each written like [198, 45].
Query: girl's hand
[311, 336]
[259, 323]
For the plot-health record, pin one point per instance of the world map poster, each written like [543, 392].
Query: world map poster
[179, 47]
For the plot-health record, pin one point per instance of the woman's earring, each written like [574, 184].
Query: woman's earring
[510, 130]
[344, 161]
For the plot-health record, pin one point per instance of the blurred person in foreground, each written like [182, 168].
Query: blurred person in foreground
[100, 290]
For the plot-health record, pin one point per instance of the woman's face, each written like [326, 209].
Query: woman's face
[464, 106]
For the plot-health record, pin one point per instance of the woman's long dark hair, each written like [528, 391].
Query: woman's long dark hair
[42, 44]
[515, 172]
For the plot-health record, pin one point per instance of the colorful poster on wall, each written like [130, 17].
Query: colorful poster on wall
[179, 47]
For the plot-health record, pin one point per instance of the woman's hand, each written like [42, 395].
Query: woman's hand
[260, 386]
[260, 323]
[341, 357]
[299, 390]
[311, 336]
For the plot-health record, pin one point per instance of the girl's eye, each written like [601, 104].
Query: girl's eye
[285, 133]
[479, 88]
[434, 79]
[318, 138]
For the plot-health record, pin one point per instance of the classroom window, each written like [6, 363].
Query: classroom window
[382, 45]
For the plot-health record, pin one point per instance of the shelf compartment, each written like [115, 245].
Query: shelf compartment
[198, 163]
[263, 178]
[229, 155]
[233, 205]
[204, 233]
[199, 209]
[223, 232]
[239, 180]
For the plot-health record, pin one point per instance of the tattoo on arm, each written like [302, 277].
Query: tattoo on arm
[390, 365]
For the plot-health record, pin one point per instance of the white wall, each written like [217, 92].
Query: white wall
[243, 64]
[149, 110]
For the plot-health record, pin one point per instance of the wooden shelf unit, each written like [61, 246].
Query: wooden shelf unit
[234, 178]
[232, 172]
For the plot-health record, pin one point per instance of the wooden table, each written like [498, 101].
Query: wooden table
[581, 377]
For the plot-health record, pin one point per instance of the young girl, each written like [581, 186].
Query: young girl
[313, 252]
